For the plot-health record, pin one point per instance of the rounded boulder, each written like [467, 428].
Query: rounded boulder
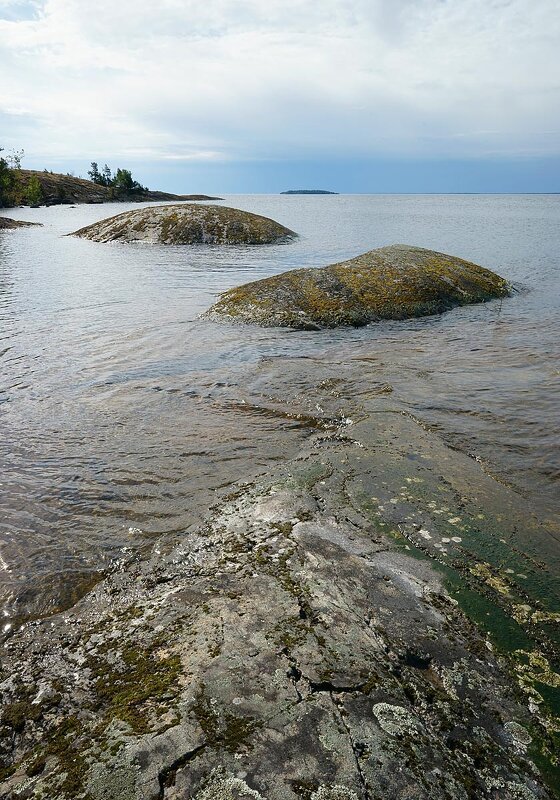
[187, 224]
[396, 282]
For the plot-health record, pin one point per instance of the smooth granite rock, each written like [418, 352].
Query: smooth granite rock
[187, 224]
[394, 282]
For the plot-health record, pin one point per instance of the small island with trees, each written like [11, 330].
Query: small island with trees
[34, 188]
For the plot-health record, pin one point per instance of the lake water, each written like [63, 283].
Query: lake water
[123, 417]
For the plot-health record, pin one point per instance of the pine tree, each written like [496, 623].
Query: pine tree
[94, 173]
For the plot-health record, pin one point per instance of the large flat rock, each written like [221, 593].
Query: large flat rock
[187, 224]
[394, 282]
[300, 644]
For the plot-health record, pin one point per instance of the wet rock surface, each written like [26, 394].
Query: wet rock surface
[187, 224]
[395, 282]
[299, 644]
[7, 224]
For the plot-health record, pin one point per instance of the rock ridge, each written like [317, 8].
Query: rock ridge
[59, 189]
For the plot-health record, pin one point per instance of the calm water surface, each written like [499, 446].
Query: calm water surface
[123, 417]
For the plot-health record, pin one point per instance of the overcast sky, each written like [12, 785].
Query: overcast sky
[259, 93]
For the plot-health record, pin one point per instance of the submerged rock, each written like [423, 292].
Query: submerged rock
[187, 224]
[394, 282]
[7, 224]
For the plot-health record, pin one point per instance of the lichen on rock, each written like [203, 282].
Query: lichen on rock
[289, 648]
[396, 282]
[187, 224]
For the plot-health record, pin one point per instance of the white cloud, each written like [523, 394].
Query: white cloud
[229, 79]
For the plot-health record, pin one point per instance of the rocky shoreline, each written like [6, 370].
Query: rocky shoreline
[307, 641]
[8, 224]
[58, 189]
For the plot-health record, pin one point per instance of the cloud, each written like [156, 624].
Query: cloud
[271, 79]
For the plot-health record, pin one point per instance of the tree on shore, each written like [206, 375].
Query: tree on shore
[10, 178]
[15, 189]
[121, 182]
[4, 181]
[34, 191]
[94, 174]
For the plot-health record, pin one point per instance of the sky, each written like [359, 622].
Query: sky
[268, 95]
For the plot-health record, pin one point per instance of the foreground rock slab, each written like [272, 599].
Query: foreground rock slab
[7, 224]
[297, 645]
[394, 282]
[187, 224]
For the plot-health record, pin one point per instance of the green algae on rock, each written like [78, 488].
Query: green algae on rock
[394, 282]
[187, 224]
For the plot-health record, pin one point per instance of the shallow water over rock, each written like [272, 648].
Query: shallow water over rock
[124, 416]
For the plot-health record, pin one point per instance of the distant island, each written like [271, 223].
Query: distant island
[308, 191]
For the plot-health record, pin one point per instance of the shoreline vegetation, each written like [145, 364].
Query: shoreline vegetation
[309, 637]
[34, 188]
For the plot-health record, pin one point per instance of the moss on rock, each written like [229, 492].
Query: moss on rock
[134, 692]
[396, 282]
[187, 224]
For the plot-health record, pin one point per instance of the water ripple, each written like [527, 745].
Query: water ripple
[123, 416]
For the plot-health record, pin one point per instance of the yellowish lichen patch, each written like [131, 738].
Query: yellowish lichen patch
[484, 571]
[537, 668]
